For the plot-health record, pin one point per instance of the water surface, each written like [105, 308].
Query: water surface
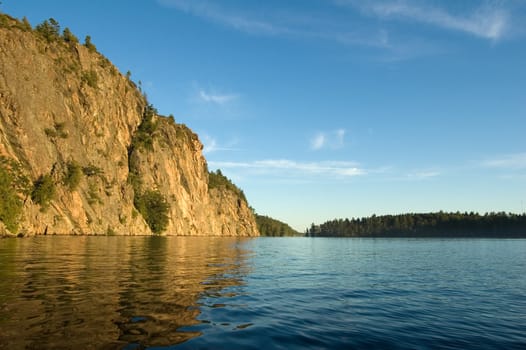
[224, 293]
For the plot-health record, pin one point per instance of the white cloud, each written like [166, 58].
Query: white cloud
[511, 161]
[333, 140]
[318, 141]
[217, 98]
[211, 145]
[423, 175]
[285, 167]
[340, 137]
[484, 22]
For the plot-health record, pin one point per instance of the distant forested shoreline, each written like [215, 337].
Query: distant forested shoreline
[441, 224]
[269, 227]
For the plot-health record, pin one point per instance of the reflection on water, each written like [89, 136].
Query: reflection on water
[266, 293]
[111, 292]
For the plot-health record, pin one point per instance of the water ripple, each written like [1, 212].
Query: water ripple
[222, 293]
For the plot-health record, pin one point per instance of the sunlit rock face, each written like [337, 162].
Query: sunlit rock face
[62, 104]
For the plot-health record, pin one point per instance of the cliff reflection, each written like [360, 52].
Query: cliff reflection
[111, 292]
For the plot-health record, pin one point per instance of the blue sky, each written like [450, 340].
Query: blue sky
[321, 109]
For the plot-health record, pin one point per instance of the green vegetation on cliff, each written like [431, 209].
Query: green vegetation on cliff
[143, 137]
[49, 30]
[69, 37]
[425, 225]
[151, 204]
[44, 191]
[218, 180]
[154, 209]
[73, 175]
[89, 45]
[13, 185]
[270, 227]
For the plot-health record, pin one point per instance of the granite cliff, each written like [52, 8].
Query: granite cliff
[82, 151]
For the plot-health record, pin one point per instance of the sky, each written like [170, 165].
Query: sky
[323, 109]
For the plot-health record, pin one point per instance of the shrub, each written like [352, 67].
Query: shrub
[90, 77]
[154, 209]
[93, 194]
[92, 170]
[89, 44]
[110, 231]
[20, 182]
[58, 130]
[43, 191]
[50, 132]
[10, 203]
[59, 127]
[4, 21]
[73, 176]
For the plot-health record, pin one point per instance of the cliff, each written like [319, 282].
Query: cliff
[82, 151]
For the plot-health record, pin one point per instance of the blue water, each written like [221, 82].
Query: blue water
[375, 293]
[265, 293]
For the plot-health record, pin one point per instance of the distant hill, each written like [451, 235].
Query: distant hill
[274, 228]
[498, 225]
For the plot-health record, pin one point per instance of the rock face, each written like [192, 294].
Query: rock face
[64, 106]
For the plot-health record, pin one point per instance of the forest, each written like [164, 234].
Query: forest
[270, 227]
[441, 224]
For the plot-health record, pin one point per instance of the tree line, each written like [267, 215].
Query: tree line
[270, 227]
[439, 224]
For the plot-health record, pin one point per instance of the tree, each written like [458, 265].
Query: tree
[49, 29]
[43, 191]
[154, 209]
[69, 37]
[89, 44]
[25, 24]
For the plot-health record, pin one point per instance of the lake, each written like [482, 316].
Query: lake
[264, 293]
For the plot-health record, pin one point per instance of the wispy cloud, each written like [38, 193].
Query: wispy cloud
[333, 140]
[283, 22]
[511, 162]
[290, 168]
[211, 145]
[236, 20]
[488, 22]
[220, 99]
[422, 175]
[318, 141]
[316, 171]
